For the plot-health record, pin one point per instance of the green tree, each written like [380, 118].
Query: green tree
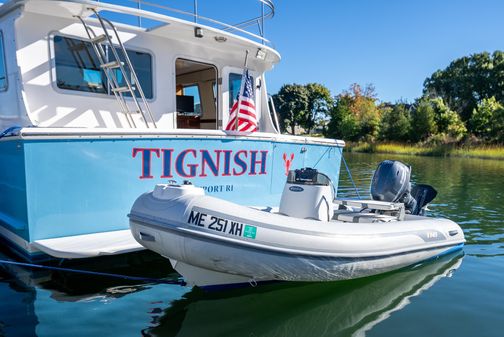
[355, 115]
[487, 120]
[423, 124]
[481, 119]
[447, 121]
[292, 104]
[395, 122]
[302, 105]
[497, 132]
[343, 123]
[467, 81]
[319, 104]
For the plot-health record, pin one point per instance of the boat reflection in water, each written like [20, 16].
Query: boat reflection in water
[34, 303]
[315, 309]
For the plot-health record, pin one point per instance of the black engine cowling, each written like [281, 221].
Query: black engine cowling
[391, 182]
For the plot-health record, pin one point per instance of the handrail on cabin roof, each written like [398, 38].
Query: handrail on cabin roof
[267, 12]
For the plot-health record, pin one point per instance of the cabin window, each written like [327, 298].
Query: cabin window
[3, 70]
[142, 62]
[196, 95]
[78, 68]
[234, 87]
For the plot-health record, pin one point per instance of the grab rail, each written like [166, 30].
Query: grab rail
[267, 12]
[271, 105]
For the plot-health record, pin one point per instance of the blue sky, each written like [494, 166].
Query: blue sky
[392, 44]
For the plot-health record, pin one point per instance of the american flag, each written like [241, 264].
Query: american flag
[244, 105]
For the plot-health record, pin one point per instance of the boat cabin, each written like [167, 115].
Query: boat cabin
[185, 72]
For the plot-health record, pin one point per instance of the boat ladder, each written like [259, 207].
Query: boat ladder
[116, 64]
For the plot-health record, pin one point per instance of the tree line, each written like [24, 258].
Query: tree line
[463, 102]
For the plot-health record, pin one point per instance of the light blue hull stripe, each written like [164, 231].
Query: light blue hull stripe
[63, 187]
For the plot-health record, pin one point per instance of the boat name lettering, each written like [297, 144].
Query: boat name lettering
[190, 163]
[222, 225]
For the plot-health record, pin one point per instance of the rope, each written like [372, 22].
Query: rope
[322, 156]
[9, 131]
[349, 174]
[88, 272]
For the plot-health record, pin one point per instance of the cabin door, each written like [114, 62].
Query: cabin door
[196, 95]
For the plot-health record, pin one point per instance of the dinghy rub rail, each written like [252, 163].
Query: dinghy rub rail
[280, 249]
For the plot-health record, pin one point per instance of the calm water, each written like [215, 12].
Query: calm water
[459, 295]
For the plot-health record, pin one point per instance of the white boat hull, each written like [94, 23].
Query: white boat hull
[211, 263]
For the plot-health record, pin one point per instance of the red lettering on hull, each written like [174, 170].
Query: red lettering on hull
[191, 163]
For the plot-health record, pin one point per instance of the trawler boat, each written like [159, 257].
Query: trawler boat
[99, 102]
[311, 236]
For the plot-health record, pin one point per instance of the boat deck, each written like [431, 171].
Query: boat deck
[89, 245]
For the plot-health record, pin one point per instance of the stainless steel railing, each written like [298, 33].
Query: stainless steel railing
[267, 11]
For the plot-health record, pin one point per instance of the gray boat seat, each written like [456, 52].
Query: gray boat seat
[350, 210]
[357, 217]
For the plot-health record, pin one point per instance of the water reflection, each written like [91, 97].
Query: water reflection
[31, 300]
[322, 309]
[17, 314]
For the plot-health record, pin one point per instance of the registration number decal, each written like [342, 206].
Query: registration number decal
[222, 225]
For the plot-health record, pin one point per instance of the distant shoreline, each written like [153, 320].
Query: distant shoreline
[442, 150]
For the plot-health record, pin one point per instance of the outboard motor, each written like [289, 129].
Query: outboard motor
[391, 183]
[308, 194]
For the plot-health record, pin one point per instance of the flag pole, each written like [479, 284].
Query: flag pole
[241, 90]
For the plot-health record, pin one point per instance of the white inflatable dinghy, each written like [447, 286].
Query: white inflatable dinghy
[311, 237]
